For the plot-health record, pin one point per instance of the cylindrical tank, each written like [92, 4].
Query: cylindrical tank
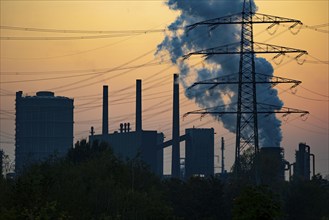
[44, 127]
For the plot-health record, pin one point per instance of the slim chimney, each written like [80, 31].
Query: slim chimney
[105, 129]
[222, 148]
[175, 163]
[138, 105]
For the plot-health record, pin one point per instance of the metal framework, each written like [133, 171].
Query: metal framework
[247, 107]
[257, 48]
[234, 79]
[238, 19]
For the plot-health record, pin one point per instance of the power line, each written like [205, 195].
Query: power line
[67, 31]
[81, 52]
[312, 99]
[319, 25]
[90, 78]
[85, 74]
[88, 108]
[312, 27]
[308, 130]
[321, 120]
[316, 27]
[315, 125]
[316, 93]
[70, 38]
[320, 61]
[71, 54]
[100, 33]
[89, 71]
[307, 98]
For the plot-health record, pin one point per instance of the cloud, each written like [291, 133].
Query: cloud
[178, 42]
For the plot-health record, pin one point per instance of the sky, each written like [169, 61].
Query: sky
[121, 47]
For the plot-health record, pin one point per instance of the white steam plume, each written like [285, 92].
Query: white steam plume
[178, 43]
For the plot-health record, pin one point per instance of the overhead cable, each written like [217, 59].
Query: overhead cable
[63, 31]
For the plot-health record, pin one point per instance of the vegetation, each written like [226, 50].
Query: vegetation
[91, 183]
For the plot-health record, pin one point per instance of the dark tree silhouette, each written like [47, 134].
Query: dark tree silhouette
[92, 183]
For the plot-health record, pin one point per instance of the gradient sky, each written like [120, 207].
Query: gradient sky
[96, 61]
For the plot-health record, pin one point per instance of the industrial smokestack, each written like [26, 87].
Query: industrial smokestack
[138, 105]
[175, 163]
[222, 148]
[105, 128]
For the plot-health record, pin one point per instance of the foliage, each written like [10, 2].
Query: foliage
[308, 199]
[256, 203]
[92, 183]
[197, 198]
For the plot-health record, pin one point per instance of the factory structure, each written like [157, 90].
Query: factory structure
[272, 165]
[302, 166]
[44, 127]
[149, 145]
[199, 151]
[199, 147]
[132, 144]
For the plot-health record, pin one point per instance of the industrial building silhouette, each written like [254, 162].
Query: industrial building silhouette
[199, 152]
[44, 127]
[302, 166]
[149, 145]
[272, 165]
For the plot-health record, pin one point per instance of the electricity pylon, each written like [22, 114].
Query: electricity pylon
[247, 108]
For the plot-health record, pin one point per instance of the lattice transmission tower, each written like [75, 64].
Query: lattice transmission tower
[247, 108]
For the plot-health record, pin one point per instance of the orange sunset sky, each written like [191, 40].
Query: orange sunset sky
[78, 68]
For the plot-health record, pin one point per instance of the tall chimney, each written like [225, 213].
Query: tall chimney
[222, 148]
[138, 105]
[105, 128]
[175, 163]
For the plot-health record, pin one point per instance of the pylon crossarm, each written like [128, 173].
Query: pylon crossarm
[235, 49]
[225, 49]
[233, 79]
[230, 19]
[270, 48]
[271, 19]
[258, 18]
[217, 110]
[274, 80]
[225, 79]
[263, 108]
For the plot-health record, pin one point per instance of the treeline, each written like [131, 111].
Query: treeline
[92, 183]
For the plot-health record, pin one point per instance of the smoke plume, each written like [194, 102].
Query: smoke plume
[178, 42]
